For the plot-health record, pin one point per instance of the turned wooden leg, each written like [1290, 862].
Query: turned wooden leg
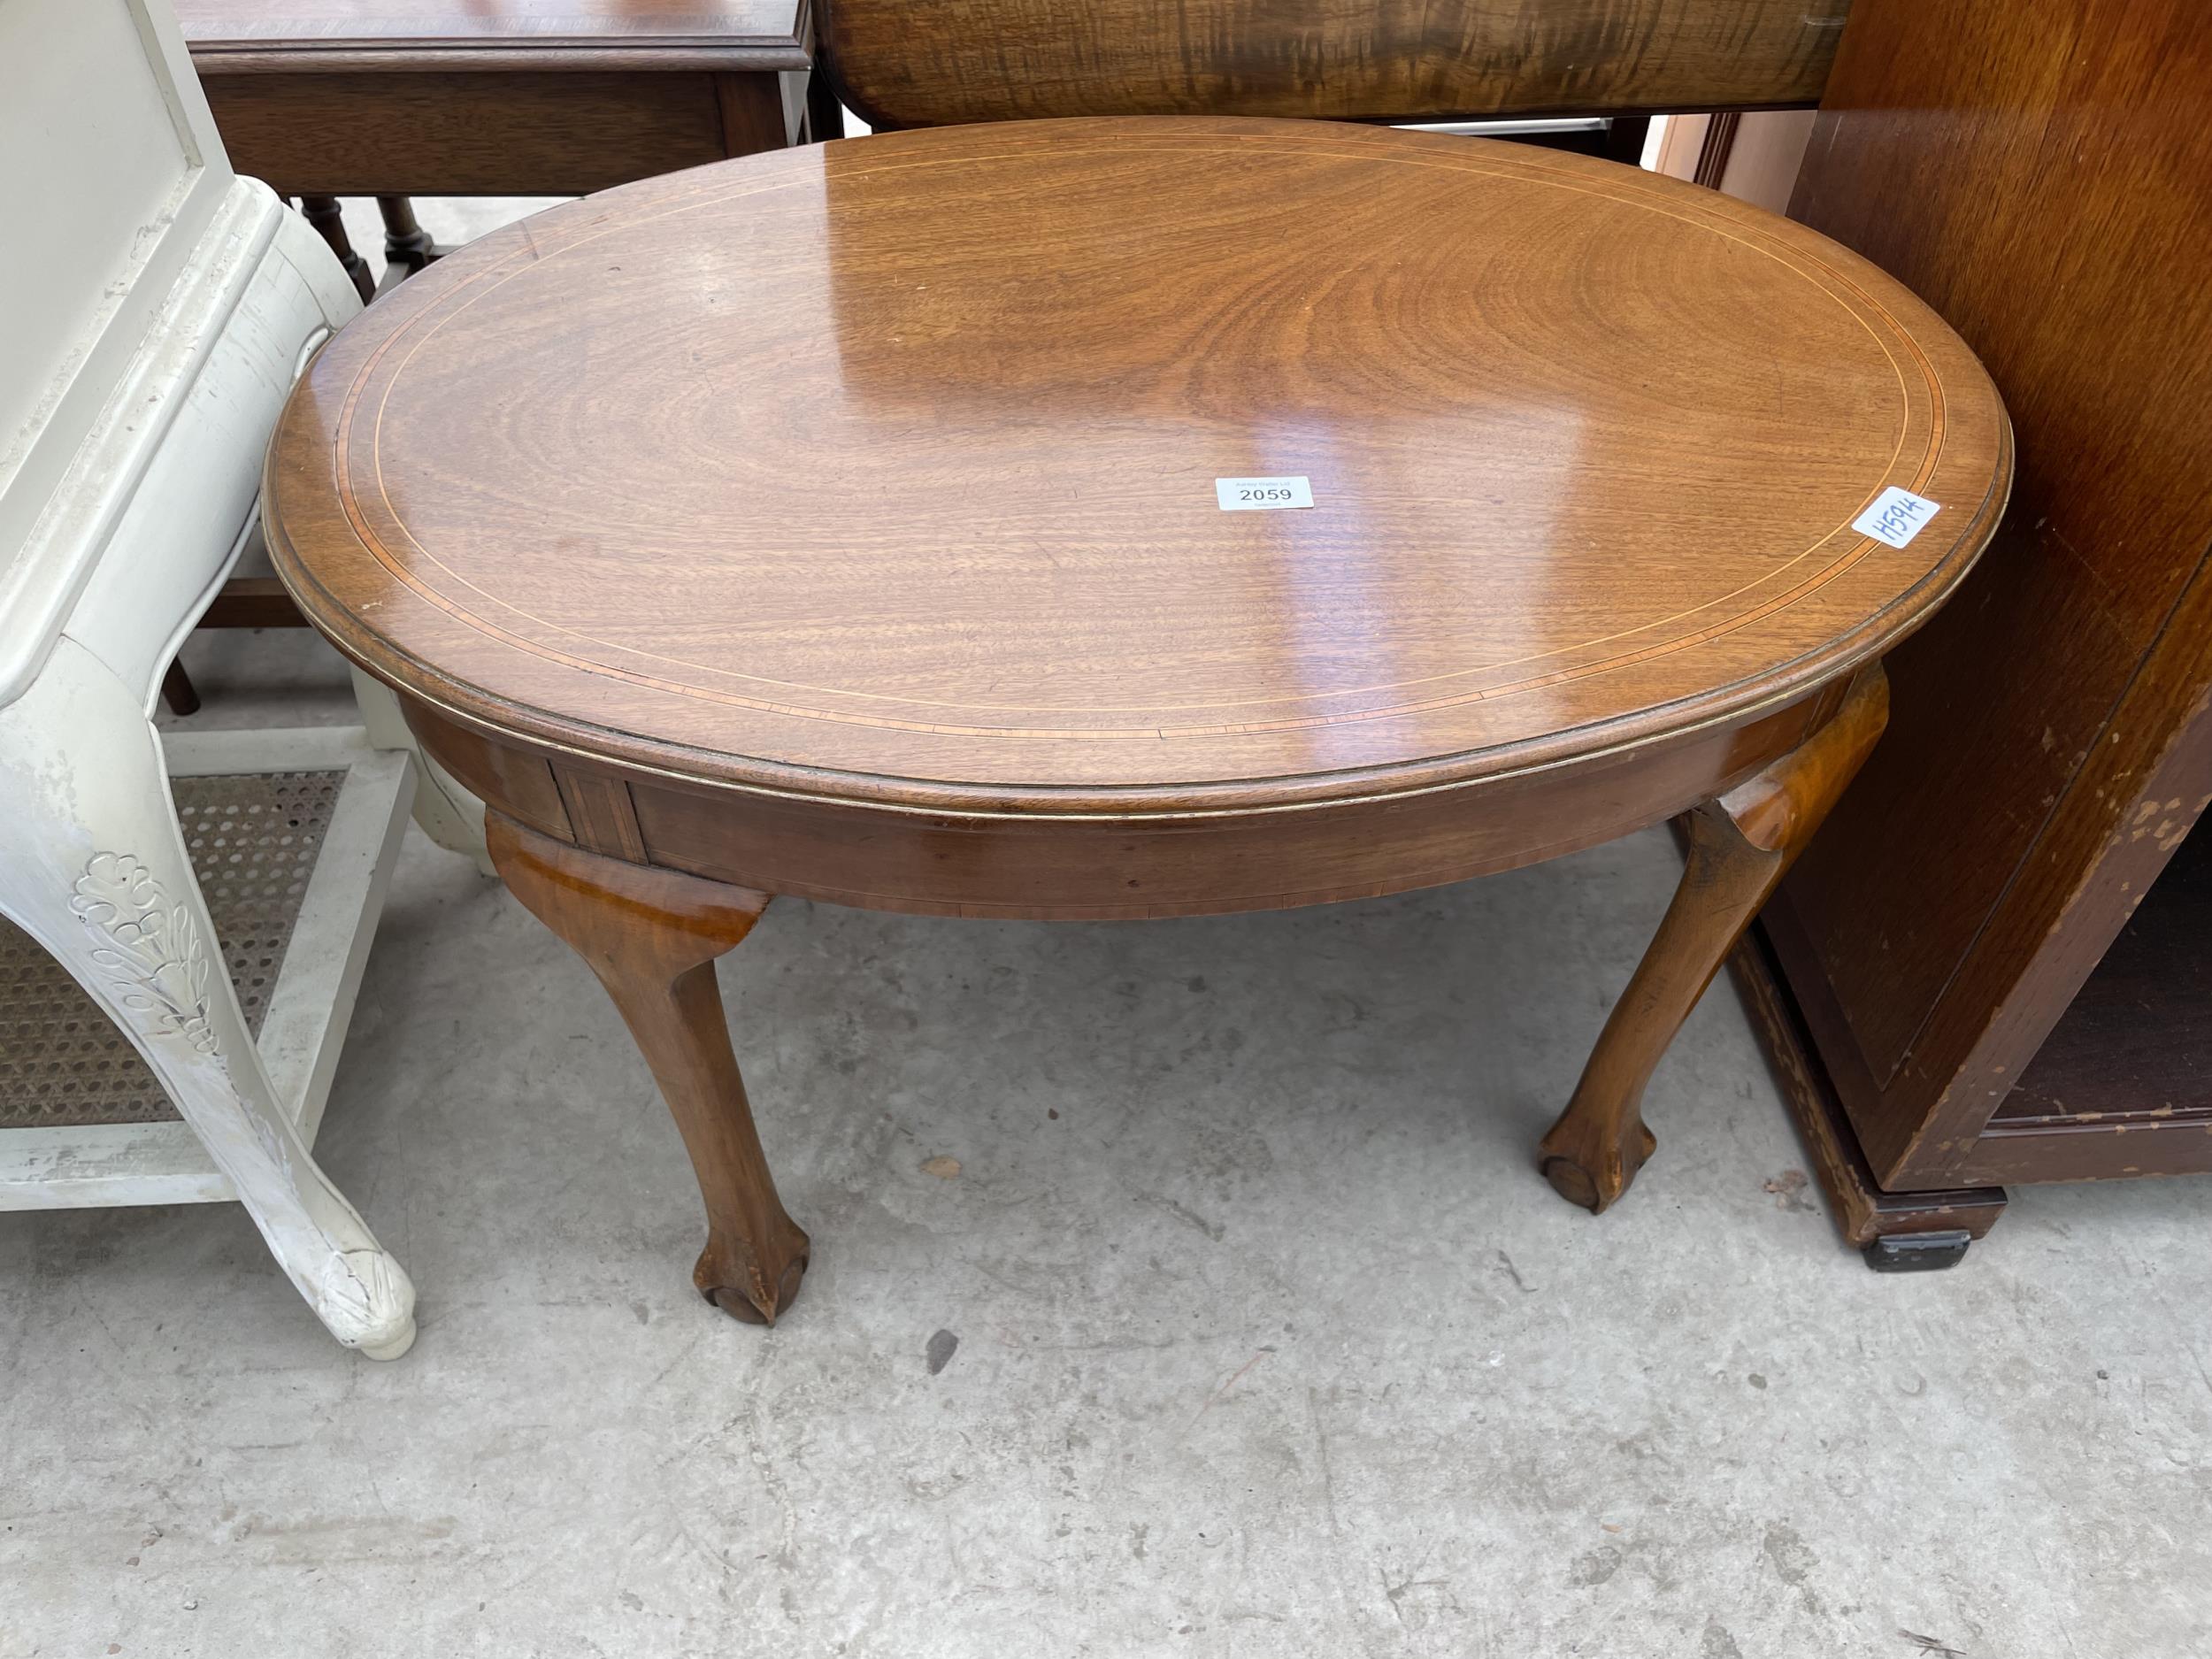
[323, 213]
[177, 691]
[652, 936]
[406, 243]
[1740, 844]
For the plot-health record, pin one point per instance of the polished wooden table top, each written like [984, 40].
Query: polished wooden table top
[887, 470]
[872, 523]
[237, 35]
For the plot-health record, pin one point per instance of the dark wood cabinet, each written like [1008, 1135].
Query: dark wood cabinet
[495, 97]
[1965, 990]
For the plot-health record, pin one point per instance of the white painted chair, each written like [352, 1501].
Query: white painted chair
[146, 343]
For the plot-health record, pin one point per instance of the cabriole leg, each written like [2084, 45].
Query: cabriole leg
[93, 865]
[652, 936]
[1740, 844]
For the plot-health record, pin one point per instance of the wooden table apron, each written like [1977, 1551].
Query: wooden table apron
[603, 526]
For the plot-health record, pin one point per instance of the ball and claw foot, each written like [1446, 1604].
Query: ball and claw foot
[1595, 1177]
[743, 1293]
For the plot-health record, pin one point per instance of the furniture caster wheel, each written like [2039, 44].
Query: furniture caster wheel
[1918, 1252]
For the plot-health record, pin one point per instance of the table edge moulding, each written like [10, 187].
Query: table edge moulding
[651, 855]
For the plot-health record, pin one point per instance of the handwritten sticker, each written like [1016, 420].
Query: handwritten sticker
[1259, 495]
[1896, 517]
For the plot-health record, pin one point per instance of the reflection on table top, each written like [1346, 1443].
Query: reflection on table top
[900, 458]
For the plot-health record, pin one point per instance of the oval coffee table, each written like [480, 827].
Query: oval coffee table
[922, 522]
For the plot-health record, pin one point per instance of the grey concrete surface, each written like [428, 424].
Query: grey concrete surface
[1265, 1338]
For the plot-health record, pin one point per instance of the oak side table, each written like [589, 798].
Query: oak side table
[1130, 517]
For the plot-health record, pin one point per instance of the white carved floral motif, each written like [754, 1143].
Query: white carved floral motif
[156, 958]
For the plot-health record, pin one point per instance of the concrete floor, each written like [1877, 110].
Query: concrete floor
[1270, 1342]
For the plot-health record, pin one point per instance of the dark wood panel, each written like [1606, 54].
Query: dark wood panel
[1109, 868]
[2157, 977]
[522, 783]
[253, 602]
[2118, 1149]
[2147, 780]
[494, 133]
[924, 63]
[2032, 170]
[760, 111]
[1967, 692]
[1862, 1210]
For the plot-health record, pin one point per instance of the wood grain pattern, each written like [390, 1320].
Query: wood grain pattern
[505, 98]
[918, 436]
[493, 132]
[2033, 170]
[1116, 866]
[236, 37]
[843, 523]
[652, 936]
[928, 63]
[601, 813]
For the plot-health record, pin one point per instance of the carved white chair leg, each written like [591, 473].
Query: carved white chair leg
[93, 866]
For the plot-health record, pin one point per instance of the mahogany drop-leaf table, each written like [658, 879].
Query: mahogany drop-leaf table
[921, 522]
